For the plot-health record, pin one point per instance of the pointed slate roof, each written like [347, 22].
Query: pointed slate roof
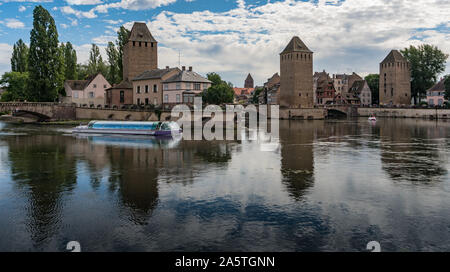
[394, 56]
[154, 74]
[249, 77]
[141, 33]
[187, 76]
[296, 45]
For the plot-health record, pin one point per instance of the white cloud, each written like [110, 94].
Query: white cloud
[83, 52]
[13, 23]
[22, 8]
[113, 22]
[80, 14]
[354, 35]
[5, 57]
[84, 2]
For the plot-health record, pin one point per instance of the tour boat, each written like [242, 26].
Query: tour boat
[129, 128]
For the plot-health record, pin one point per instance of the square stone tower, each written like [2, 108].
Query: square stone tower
[140, 54]
[395, 80]
[296, 67]
[249, 83]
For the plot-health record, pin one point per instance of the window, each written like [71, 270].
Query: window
[197, 86]
[138, 101]
[165, 87]
[104, 86]
[146, 88]
[178, 85]
[166, 98]
[188, 85]
[140, 44]
[134, 43]
[178, 98]
[122, 97]
[392, 91]
[205, 86]
[91, 94]
[95, 86]
[145, 44]
[75, 94]
[138, 89]
[155, 88]
[146, 100]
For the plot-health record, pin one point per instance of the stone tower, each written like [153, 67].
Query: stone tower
[395, 80]
[249, 83]
[296, 67]
[140, 54]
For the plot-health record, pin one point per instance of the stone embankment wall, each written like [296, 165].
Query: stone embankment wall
[405, 113]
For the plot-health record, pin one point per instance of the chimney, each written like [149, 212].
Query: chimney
[184, 68]
[190, 68]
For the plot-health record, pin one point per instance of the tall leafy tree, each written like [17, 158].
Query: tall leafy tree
[15, 85]
[19, 59]
[427, 62]
[70, 62]
[373, 80]
[447, 87]
[44, 59]
[96, 64]
[113, 67]
[122, 38]
[221, 92]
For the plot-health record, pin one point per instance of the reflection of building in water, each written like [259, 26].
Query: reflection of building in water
[134, 173]
[297, 156]
[44, 173]
[407, 156]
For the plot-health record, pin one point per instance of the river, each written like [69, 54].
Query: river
[327, 186]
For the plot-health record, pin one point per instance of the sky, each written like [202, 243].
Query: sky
[237, 37]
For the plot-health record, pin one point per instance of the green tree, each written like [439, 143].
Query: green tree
[16, 86]
[113, 69]
[44, 59]
[122, 38]
[427, 62]
[70, 62]
[82, 71]
[96, 64]
[220, 92]
[447, 87]
[19, 59]
[373, 80]
[256, 93]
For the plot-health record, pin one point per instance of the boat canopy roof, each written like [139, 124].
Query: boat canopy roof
[126, 125]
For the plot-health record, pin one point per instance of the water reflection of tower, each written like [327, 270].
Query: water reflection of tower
[44, 173]
[407, 154]
[134, 173]
[297, 156]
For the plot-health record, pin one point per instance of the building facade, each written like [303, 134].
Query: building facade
[395, 80]
[86, 92]
[360, 93]
[148, 86]
[182, 87]
[324, 88]
[296, 67]
[436, 94]
[119, 95]
[249, 82]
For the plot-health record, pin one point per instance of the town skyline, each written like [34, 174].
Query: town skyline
[233, 36]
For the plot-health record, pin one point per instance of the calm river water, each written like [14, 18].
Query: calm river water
[329, 186]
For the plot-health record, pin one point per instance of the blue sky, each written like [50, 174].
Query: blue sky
[235, 37]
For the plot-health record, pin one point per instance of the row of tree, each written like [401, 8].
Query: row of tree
[38, 72]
